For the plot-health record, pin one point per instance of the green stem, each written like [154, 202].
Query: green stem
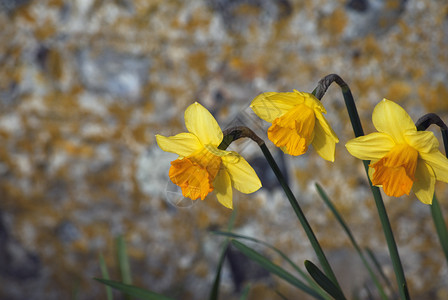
[436, 212]
[214, 293]
[238, 132]
[349, 233]
[445, 139]
[393, 251]
[380, 271]
[323, 85]
[440, 225]
[301, 216]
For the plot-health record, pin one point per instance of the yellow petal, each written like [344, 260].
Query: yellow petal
[325, 138]
[294, 130]
[325, 125]
[312, 102]
[183, 144]
[243, 176]
[218, 152]
[370, 147]
[201, 123]
[269, 106]
[391, 118]
[323, 144]
[439, 164]
[207, 160]
[422, 141]
[223, 188]
[424, 182]
[371, 171]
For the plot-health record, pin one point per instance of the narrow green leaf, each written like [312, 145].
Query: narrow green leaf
[273, 268]
[279, 252]
[405, 291]
[232, 219]
[300, 215]
[324, 281]
[245, 292]
[377, 265]
[105, 275]
[347, 230]
[357, 129]
[123, 261]
[335, 212]
[133, 290]
[436, 211]
[281, 295]
[388, 234]
[76, 289]
[214, 293]
[305, 276]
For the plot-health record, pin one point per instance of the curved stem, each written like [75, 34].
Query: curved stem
[300, 215]
[322, 87]
[235, 133]
[319, 92]
[436, 212]
[429, 119]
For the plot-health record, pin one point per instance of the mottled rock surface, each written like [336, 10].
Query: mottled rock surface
[85, 86]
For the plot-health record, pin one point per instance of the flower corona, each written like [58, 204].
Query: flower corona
[201, 167]
[402, 158]
[297, 122]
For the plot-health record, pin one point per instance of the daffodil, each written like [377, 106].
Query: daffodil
[402, 158]
[297, 121]
[201, 167]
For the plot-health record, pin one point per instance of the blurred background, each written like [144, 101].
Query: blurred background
[86, 85]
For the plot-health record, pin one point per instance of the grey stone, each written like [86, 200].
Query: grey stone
[113, 73]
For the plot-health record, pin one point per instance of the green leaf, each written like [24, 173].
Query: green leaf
[305, 276]
[300, 215]
[105, 275]
[324, 281]
[357, 129]
[275, 269]
[214, 293]
[133, 290]
[388, 234]
[281, 295]
[347, 230]
[436, 211]
[377, 265]
[123, 261]
[245, 292]
[76, 289]
[232, 219]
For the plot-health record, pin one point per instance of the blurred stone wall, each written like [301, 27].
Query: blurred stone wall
[85, 86]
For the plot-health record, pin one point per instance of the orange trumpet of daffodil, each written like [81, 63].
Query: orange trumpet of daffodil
[201, 167]
[297, 121]
[402, 158]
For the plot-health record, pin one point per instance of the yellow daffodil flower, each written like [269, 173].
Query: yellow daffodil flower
[402, 158]
[297, 121]
[201, 167]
